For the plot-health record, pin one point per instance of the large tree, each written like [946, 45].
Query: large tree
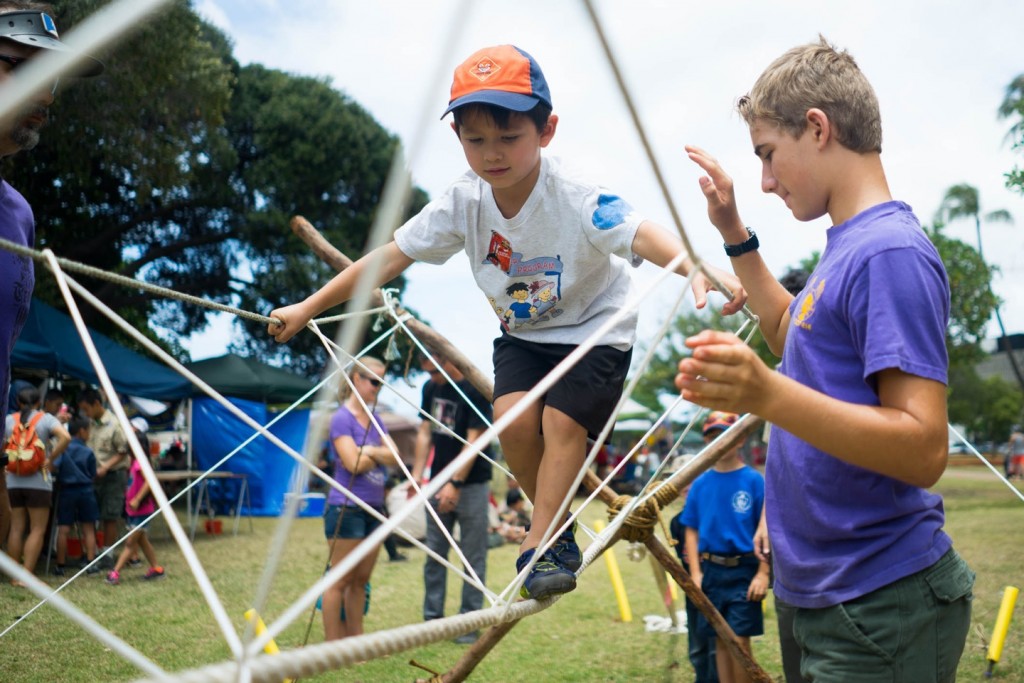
[963, 201]
[303, 148]
[128, 175]
[179, 167]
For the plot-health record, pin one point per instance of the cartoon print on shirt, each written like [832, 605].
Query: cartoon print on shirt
[544, 298]
[814, 290]
[518, 311]
[533, 301]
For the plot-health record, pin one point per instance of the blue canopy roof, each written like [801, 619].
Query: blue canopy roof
[50, 341]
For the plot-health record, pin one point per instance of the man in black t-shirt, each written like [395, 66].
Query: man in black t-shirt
[464, 498]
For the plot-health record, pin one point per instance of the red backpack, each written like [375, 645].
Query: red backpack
[26, 452]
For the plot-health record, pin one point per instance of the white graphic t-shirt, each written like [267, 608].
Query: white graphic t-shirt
[550, 273]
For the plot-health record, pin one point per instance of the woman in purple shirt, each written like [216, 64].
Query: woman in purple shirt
[359, 457]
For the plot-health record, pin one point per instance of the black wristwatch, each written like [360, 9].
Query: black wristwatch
[457, 483]
[750, 244]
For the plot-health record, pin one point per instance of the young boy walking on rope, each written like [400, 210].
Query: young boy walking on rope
[543, 248]
[859, 402]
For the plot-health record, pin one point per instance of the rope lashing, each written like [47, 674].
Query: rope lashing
[639, 524]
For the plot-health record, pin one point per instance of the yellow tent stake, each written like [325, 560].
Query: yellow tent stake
[995, 648]
[271, 647]
[613, 572]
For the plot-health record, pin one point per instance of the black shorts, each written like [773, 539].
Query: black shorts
[587, 393]
[29, 498]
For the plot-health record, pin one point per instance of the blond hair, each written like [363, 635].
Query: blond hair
[817, 76]
[371, 362]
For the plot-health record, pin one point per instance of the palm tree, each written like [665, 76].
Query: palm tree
[1013, 103]
[962, 201]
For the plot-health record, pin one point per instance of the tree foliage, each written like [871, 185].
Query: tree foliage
[1012, 108]
[180, 167]
[1003, 404]
[971, 297]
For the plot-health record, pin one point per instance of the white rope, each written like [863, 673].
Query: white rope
[334, 654]
[205, 587]
[984, 460]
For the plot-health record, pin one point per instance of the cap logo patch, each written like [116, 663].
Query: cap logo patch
[48, 24]
[485, 68]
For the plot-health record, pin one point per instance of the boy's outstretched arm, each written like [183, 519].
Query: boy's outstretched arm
[767, 298]
[338, 290]
[656, 244]
[904, 438]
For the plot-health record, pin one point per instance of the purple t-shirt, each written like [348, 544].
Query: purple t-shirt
[17, 276]
[878, 299]
[368, 486]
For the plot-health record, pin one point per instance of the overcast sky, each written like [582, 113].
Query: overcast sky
[940, 70]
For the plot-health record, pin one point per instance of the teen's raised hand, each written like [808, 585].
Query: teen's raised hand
[718, 191]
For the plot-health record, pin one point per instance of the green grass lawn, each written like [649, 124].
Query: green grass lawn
[581, 638]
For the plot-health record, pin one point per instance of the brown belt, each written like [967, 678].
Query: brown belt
[725, 560]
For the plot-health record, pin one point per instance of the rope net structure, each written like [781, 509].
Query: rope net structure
[632, 518]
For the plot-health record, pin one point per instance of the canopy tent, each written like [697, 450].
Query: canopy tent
[251, 386]
[50, 341]
[250, 379]
[216, 432]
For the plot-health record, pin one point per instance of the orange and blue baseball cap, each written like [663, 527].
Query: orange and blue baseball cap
[719, 420]
[504, 76]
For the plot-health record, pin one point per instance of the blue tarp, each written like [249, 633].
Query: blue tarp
[216, 432]
[50, 341]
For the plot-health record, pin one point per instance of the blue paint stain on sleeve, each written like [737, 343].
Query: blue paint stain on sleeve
[611, 211]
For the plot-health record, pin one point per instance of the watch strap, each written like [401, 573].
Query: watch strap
[748, 245]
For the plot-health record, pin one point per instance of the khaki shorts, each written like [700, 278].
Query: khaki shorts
[912, 630]
[110, 494]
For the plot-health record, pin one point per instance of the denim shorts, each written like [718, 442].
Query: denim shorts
[726, 588]
[135, 522]
[912, 630]
[355, 522]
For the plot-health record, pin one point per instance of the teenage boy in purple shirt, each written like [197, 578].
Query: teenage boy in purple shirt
[859, 402]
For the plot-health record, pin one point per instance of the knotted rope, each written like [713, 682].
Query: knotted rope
[639, 524]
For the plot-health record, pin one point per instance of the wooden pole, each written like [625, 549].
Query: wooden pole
[431, 339]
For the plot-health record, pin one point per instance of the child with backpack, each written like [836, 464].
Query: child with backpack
[29, 436]
[75, 470]
[138, 504]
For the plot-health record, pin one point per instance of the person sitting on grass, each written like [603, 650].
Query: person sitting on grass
[721, 516]
[138, 504]
[75, 470]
